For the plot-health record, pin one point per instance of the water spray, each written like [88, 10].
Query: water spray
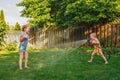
[78, 43]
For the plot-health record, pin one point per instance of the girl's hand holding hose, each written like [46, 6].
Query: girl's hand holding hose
[31, 38]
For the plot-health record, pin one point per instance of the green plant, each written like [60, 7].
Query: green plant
[2, 34]
[2, 28]
[30, 48]
[2, 48]
[113, 51]
[12, 46]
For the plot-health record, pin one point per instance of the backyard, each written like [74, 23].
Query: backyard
[59, 64]
[61, 38]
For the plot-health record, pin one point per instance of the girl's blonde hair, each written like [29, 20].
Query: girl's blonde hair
[93, 34]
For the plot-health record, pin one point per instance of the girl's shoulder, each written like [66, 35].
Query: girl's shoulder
[96, 40]
[23, 34]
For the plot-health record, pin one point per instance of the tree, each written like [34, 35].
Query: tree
[2, 33]
[17, 26]
[87, 12]
[65, 13]
[2, 27]
[38, 11]
[7, 27]
[2, 18]
[2, 15]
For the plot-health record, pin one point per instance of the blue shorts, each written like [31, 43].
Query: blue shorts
[23, 45]
[22, 48]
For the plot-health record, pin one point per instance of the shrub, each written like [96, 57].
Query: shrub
[12, 46]
[113, 51]
[2, 48]
[30, 48]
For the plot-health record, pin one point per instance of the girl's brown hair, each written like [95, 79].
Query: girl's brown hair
[24, 27]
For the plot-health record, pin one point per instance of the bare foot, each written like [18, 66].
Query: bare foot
[27, 67]
[106, 62]
[20, 68]
[89, 61]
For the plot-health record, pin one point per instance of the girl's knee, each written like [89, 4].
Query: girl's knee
[21, 58]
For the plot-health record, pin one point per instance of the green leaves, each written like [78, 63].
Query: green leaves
[2, 33]
[17, 26]
[65, 13]
[2, 27]
[37, 10]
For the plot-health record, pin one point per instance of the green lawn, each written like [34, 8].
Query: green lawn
[58, 64]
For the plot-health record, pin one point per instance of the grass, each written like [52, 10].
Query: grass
[58, 64]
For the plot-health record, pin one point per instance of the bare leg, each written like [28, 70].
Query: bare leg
[92, 56]
[20, 60]
[104, 58]
[26, 60]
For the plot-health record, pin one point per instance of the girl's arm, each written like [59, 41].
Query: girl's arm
[91, 41]
[21, 38]
[31, 38]
[95, 42]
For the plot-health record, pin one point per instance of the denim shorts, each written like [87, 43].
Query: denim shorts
[22, 48]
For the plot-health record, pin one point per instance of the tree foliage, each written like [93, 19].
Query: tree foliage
[37, 10]
[66, 13]
[2, 27]
[7, 27]
[17, 26]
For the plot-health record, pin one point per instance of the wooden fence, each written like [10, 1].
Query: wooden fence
[109, 35]
[12, 36]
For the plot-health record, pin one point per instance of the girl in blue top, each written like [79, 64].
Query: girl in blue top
[23, 45]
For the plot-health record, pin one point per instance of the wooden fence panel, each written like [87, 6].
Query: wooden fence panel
[109, 35]
[12, 36]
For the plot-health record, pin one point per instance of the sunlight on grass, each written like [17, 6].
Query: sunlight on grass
[7, 52]
[3, 56]
[55, 64]
[40, 65]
